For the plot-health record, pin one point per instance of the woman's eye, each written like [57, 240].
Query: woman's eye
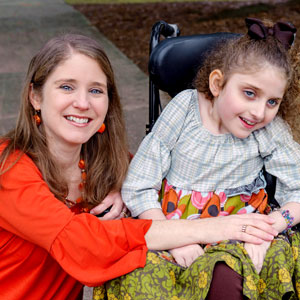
[66, 87]
[272, 102]
[96, 91]
[249, 94]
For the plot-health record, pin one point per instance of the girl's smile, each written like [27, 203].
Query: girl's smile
[247, 123]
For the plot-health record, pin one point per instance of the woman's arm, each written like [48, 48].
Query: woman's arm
[176, 233]
[184, 255]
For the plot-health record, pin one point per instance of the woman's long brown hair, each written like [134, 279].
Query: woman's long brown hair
[106, 155]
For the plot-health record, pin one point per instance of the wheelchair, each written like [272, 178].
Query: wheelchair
[173, 65]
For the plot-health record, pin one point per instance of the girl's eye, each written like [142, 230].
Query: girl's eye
[272, 102]
[66, 87]
[96, 91]
[249, 94]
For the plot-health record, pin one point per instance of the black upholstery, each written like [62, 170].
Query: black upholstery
[174, 62]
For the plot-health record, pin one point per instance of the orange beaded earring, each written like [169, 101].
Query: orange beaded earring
[37, 118]
[101, 129]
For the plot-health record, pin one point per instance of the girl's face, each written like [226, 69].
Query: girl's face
[74, 101]
[248, 102]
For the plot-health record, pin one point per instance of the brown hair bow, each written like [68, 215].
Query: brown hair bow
[282, 31]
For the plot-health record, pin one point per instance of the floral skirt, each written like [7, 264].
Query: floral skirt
[162, 278]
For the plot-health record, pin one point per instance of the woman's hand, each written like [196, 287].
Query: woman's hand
[257, 253]
[117, 211]
[186, 255]
[252, 228]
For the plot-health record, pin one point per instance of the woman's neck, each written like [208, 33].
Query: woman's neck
[67, 159]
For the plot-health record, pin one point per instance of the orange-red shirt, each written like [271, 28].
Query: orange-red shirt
[48, 252]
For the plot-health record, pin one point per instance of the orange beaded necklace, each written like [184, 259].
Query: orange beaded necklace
[79, 206]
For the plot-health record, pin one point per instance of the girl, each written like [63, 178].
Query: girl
[60, 161]
[209, 148]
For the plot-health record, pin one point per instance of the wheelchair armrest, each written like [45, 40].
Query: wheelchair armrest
[270, 189]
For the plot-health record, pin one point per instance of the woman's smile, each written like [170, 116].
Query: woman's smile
[78, 120]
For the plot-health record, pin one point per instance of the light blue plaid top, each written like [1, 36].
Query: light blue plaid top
[183, 151]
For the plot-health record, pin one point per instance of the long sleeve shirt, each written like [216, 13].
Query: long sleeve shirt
[180, 149]
[48, 252]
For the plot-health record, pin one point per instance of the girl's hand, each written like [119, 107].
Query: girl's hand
[186, 255]
[257, 253]
[117, 210]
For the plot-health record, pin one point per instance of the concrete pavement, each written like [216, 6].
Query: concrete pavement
[26, 25]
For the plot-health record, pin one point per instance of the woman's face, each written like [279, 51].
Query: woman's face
[74, 101]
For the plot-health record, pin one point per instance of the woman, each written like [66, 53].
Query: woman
[58, 163]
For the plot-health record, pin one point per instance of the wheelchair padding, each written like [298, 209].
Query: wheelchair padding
[174, 62]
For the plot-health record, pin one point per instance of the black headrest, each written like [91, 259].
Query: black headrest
[174, 62]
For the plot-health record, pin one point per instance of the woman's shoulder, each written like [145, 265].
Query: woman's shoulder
[3, 144]
[16, 158]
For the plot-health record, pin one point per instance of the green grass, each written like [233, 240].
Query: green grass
[72, 2]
